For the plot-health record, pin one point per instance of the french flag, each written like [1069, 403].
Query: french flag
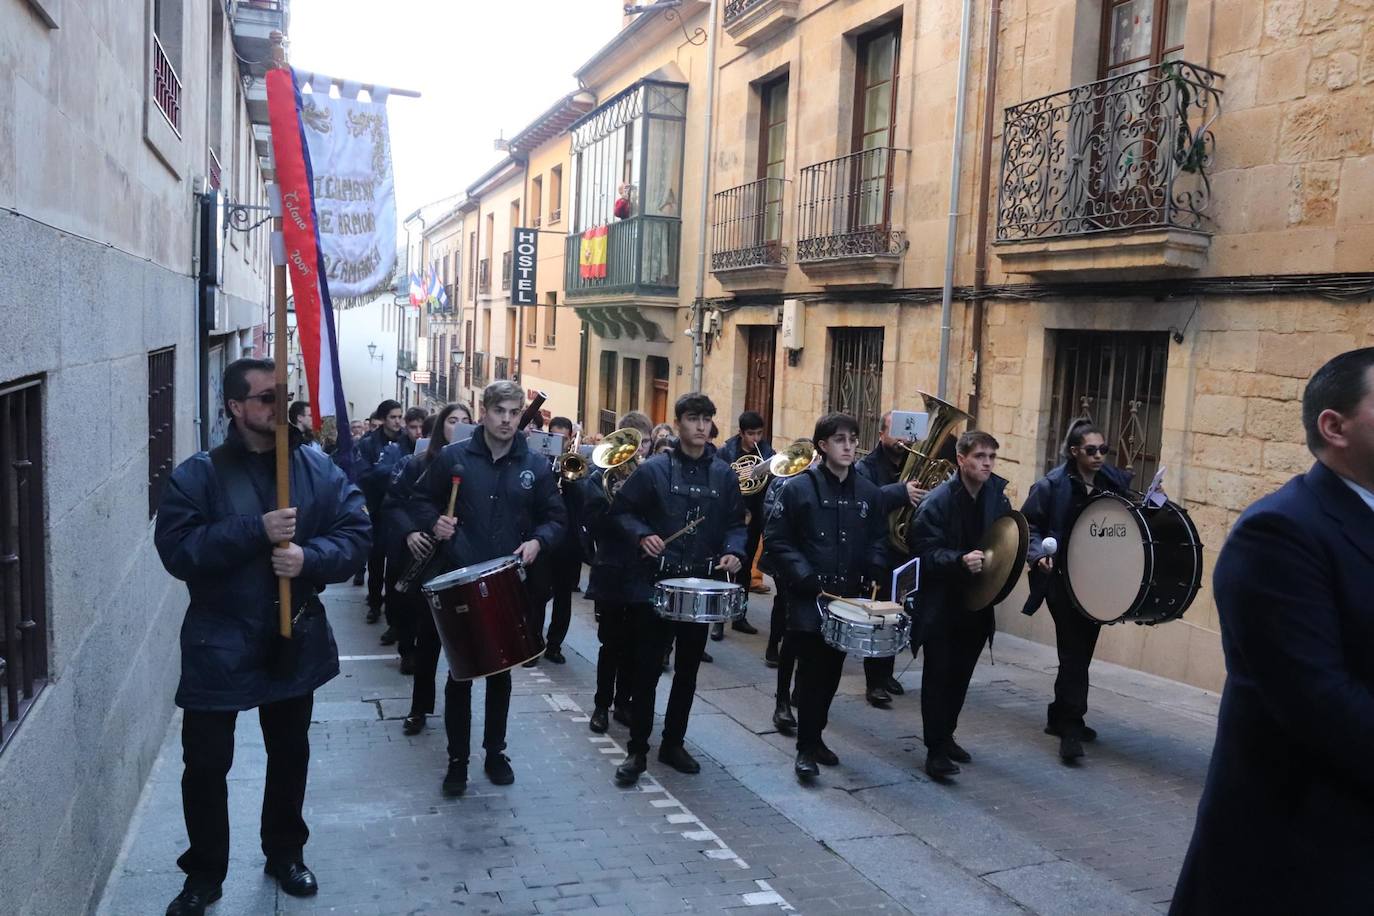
[417, 290]
[305, 261]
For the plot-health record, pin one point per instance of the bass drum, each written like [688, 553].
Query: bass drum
[1129, 562]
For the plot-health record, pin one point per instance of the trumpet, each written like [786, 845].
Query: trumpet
[570, 465]
[753, 473]
[618, 455]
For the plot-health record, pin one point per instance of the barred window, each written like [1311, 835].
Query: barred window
[161, 422]
[856, 379]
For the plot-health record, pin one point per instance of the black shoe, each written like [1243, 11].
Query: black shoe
[825, 756]
[770, 657]
[600, 720]
[957, 753]
[805, 767]
[717, 631]
[621, 715]
[707, 657]
[939, 767]
[1070, 748]
[413, 724]
[744, 626]
[358, 579]
[531, 663]
[783, 720]
[878, 697]
[294, 878]
[498, 769]
[1086, 734]
[894, 686]
[456, 779]
[407, 665]
[628, 773]
[374, 614]
[193, 899]
[667, 661]
[678, 758]
[555, 655]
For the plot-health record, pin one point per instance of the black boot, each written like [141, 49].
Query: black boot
[1070, 748]
[456, 779]
[783, 720]
[628, 773]
[805, 767]
[939, 767]
[413, 724]
[678, 758]
[600, 720]
[195, 896]
[293, 877]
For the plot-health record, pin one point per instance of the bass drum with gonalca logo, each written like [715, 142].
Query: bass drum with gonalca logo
[1129, 561]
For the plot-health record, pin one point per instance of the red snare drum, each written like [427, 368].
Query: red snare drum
[480, 613]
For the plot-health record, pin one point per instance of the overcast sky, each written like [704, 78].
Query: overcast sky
[482, 68]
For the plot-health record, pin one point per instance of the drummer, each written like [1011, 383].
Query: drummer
[508, 504]
[945, 534]
[665, 494]
[826, 534]
[1054, 502]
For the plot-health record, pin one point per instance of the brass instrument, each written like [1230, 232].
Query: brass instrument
[792, 460]
[618, 455]
[752, 471]
[921, 466]
[570, 465]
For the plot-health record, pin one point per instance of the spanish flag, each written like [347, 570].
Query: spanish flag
[592, 254]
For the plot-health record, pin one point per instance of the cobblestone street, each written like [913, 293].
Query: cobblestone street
[1019, 832]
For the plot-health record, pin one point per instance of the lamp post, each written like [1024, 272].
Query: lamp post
[381, 362]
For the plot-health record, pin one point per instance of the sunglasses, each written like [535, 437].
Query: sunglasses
[267, 397]
[1091, 450]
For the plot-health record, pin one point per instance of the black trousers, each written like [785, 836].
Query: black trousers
[614, 660]
[751, 548]
[954, 640]
[426, 661]
[565, 572]
[458, 715]
[1076, 638]
[207, 750]
[780, 641]
[878, 670]
[376, 574]
[649, 635]
[403, 610]
[819, 667]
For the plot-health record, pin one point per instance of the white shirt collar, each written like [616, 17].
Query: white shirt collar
[1364, 494]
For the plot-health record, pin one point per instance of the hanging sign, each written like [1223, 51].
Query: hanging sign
[524, 260]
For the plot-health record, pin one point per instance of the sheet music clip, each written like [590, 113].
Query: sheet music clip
[1155, 495]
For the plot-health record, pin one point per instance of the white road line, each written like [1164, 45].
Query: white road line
[369, 658]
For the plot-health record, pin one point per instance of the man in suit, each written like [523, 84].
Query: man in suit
[1286, 821]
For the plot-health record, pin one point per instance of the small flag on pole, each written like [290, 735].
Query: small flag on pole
[417, 290]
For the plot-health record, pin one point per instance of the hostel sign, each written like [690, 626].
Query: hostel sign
[524, 260]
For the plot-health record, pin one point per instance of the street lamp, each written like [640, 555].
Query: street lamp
[372, 351]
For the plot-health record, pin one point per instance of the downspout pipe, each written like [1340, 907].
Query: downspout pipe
[955, 176]
[698, 311]
[980, 243]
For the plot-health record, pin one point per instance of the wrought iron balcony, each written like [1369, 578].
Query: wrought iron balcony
[1130, 152]
[166, 86]
[751, 22]
[641, 259]
[747, 228]
[405, 360]
[846, 208]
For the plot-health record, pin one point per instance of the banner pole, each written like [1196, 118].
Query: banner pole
[283, 442]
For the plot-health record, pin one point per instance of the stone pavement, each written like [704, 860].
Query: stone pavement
[1019, 832]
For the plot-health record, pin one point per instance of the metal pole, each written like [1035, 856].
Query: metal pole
[698, 350]
[955, 172]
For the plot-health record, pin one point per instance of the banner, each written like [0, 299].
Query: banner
[524, 265]
[355, 193]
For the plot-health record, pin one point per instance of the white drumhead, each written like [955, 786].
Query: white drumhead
[695, 584]
[1106, 560]
[850, 611]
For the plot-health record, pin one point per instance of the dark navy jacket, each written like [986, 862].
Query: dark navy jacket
[224, 558]
[1047, 510]
[825, 534]
[659, 498]
[404, 508]
[1286, 821]
[732, 451]
[937, 536]
[879, 471]
[376, 460]
[501, 503]
[612, 555]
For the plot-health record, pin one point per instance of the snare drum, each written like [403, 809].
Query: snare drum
[480, 613]
[870, 629]
[1128, 562]
[694, 600]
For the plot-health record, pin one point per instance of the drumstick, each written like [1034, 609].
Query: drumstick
[686, 529]
[453, 494]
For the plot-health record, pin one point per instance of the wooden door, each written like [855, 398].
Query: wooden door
[758, 386]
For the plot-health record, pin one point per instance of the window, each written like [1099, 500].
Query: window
[167, 59]
[472, 265]
[631, 399]
[530, 316]
[467, 347]
[555, 194]
[1140, 33]
[161, 423]
[536, 208]
[856, 378]
[607, 416]
[24, 637]
[551, 319]
[658, 398]
[1115, 379]
[773, 154]
[875, 98]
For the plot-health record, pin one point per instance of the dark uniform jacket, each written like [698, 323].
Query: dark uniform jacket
[880, 471]
[1050, 510]
[404, 508]
[1286, 821]
[501, 503]
[612, 556]
[660, 497]
[377, 459]
[825, 534]
[732, 451]
[215, 542]
[940, 536]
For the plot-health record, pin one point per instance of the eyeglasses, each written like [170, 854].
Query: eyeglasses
[1091, 450]
[267, 397]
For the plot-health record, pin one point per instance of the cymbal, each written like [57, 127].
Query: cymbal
[1004, 556]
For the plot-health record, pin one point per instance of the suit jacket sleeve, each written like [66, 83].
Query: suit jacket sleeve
[341, 549]
[192, 545]
[929, 534]
[780, 534]
[1279, 614]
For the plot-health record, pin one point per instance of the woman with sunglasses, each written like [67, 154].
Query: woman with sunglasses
[1051, 508]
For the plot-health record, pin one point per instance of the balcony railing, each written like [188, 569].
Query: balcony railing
[748, 226]
[845, 208]
[405, 360]
[484, 275]
[505, 270]
[737, 8]
[166, 87]
[641, 259]
[500, 367]
[215, 168]
[555, 215]
[606, 421]
[1129, 152]
[479, 370]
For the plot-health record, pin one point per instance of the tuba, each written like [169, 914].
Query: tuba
[752, 472]
[570, 465]
[921, 465]
[618, 455]
[792, 460]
